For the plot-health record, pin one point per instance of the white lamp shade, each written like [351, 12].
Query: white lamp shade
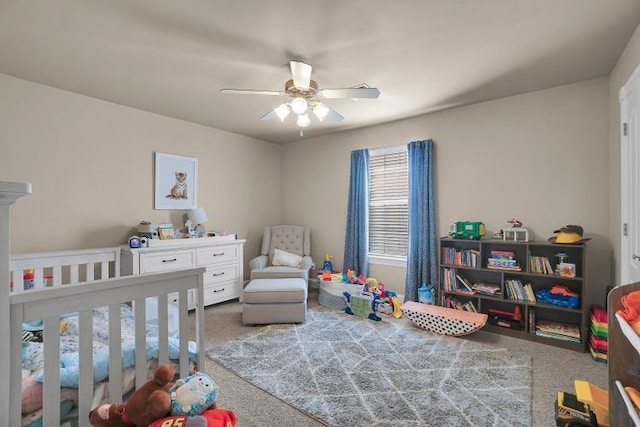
[282, 111]
[303, 120]
[198, 216]
[299, 105]
[320, 110]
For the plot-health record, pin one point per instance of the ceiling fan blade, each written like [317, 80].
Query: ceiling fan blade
[355, 92]
[334, 116]
[269, 116]
[301, 74]
[252, 92]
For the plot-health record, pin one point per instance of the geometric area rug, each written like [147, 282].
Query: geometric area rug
[344, 370]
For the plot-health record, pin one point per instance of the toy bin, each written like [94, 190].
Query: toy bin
[331, 294]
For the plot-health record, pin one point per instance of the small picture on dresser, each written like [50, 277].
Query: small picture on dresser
[176, 182]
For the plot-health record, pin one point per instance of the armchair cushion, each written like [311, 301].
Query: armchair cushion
[286, 259]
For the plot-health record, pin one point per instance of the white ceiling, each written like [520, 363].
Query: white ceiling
[173, 57]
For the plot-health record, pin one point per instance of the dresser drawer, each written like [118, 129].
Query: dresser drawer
[163, 261]
[220, 292]
[219, 255]
[191, 299]
[221, 274]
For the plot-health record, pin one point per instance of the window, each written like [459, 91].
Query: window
[388, 205]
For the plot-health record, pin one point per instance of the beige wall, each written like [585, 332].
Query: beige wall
[627, 63]
[541, 157]
[91, 166]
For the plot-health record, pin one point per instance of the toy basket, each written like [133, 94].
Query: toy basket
[331, 294]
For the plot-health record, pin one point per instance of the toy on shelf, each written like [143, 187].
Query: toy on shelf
[467, 230]
[516, 232]
[558, 295]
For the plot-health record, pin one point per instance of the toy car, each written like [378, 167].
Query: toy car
[467, 230]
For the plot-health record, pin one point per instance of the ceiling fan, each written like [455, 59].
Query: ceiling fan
[306, 96]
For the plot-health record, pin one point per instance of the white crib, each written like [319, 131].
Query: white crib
[79, 281]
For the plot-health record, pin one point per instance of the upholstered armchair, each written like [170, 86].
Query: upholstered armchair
[285, 253]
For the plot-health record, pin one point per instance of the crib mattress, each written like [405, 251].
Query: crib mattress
[443, 320]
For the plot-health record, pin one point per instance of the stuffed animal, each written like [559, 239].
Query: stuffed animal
[209, 418]
[146, 405]
[193, 394]
[108, 416]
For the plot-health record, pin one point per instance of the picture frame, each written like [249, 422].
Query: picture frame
[176, 182]
[166, 233]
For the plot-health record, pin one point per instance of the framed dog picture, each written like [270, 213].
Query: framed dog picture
[176, 182]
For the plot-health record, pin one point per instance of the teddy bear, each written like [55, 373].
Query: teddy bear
[193, 395]
[146, 405]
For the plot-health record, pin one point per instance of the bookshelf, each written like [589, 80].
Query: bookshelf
[510, 282]
[623, 358]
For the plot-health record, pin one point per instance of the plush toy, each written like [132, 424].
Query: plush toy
[108, 416]
[209, 418]
[193, 395]
[146, 405]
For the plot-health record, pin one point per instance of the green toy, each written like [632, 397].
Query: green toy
[467, 230]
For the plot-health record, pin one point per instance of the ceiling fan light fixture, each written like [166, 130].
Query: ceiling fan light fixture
[321, 111]
[282, 111]
[303, 121]
[299, 105]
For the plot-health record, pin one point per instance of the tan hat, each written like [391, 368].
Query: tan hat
[569, 234]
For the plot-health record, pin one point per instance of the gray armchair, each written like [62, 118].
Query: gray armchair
[292, 239]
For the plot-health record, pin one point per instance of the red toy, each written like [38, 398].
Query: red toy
[209, 418]
[631, 309]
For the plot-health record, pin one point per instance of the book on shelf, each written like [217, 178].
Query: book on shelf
[486, 289]
[503, 260]
[557, 330]
[466, 284]
[541, 265]
[452, 302]
[515, 290]
[532, 320]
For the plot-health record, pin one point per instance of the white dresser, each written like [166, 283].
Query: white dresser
[223, 261]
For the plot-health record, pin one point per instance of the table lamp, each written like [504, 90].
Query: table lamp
[198, 216]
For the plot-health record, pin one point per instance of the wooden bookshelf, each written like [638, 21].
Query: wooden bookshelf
[516, 265]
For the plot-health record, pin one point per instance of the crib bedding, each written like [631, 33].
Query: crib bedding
[33, 360]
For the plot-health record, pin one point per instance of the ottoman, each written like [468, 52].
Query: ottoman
[274, 301]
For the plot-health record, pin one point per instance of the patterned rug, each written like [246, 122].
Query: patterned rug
[348, 371]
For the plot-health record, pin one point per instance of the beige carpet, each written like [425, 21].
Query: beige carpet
[553, 369]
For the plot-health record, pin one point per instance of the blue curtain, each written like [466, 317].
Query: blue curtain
[356, 245]
[422, 257]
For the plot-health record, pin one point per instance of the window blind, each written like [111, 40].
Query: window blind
[388, 202]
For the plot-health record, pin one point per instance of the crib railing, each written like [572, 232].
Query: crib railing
[63, 268]
[51, 303]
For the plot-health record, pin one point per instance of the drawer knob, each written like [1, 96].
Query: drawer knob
[215, 291]
[218, 274]
[170, 260]
[220, 254]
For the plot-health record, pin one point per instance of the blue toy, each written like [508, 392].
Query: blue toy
[426, 294]
[193, 395]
